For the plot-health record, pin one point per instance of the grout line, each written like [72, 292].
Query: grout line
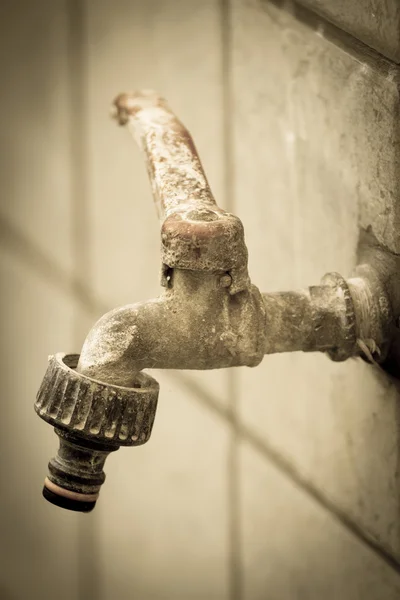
[233, 470]
[227, 104]
[88, 567]
[38, 262]
[235, 538]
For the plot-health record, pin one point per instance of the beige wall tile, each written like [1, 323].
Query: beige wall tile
[162, 526]
[293, 548]
[39, 542]
[35, 125]
[306, 135]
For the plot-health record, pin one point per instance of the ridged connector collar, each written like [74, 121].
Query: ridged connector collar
[92, 419]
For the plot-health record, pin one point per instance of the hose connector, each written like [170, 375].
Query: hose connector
[92, 419]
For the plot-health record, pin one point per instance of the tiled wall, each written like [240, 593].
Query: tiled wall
[280, 482]
[38, 546]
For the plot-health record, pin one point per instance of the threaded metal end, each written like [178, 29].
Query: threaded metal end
[95, 410]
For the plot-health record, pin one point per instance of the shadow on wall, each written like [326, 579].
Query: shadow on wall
[5, 594]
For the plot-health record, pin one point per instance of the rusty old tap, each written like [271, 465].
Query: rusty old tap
[209, 316]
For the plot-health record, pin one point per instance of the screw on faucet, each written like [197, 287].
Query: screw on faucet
[225, 281]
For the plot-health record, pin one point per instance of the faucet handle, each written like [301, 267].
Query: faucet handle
[196, 233]
[174, 167]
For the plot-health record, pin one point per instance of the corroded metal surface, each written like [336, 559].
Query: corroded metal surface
[195, 324]
[91, 419]
[375, 290]
[195, 234]
[318, 318]
[209, 315]
[174, 167]
[109, 413]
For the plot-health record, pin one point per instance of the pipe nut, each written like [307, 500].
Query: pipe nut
[95, 410]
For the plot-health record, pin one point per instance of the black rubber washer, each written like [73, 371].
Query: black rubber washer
[68, 503]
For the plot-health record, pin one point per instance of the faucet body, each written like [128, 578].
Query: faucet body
[194, 324]
[208, 316]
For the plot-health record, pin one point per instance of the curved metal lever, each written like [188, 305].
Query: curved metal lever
[176, 173]
[196, 233]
